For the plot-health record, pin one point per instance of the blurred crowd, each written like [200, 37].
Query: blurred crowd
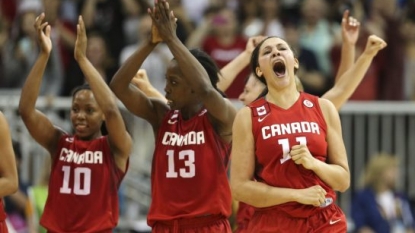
[221, 28]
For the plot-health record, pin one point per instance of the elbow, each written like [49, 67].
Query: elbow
[236, 190]
[111, 110]
[344, 185]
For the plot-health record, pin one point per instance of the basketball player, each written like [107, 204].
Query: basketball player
[299, 161]
[190, 189]
[87, 168]
[8, 170]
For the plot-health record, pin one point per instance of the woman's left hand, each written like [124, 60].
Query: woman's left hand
[301, 155]
[164, 20]
[81, 40]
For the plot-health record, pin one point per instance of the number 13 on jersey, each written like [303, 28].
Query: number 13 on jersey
[189, 171]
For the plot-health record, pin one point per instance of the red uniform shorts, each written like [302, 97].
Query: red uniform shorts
[206, 224]
[329, 220]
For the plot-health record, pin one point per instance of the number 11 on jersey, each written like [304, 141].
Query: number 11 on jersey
[286, 147]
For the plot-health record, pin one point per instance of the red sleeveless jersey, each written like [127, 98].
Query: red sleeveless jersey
[189, 168]
[2, 211]
[275, 131]
[83, 187]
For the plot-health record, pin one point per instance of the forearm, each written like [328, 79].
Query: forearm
[189, 65]
[262, 195]
[346, 59]
[102, 92]
[349, 81]
[126, 72]
[196, 39]
[7, 186]
[333, 175]
[31, 87]
[232, 69]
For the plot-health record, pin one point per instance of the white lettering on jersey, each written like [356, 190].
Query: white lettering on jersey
[191, 138]
[289, 128]
[89, 157]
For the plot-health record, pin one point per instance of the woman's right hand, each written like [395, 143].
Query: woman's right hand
[314, 195]
[43, 34]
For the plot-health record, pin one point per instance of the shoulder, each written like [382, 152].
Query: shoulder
[243, 116]
[327, 108]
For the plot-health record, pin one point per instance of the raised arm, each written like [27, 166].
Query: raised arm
[350, 34]
[133, 98]
[119, 140]
[193, 72]
[242, 170]
[8, 170]
[351, 79]
[233, 68]
[39, 126]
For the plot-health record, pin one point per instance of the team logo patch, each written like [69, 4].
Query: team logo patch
[308, 103]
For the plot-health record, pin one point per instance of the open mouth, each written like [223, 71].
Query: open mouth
[279, 68]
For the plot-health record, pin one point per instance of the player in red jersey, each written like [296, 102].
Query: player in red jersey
[87, 167]
[291, 143]
[190, 189]
[8, 169]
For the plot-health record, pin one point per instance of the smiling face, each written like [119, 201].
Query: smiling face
[276, 63]
[178, 93]
[86, 115]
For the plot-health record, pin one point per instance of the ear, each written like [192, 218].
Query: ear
[296, 63]
[258, 72]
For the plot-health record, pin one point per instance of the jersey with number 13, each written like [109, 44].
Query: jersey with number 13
[276, 131]
[83, 187]
[189, 168]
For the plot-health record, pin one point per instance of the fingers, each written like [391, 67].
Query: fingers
[345, 16]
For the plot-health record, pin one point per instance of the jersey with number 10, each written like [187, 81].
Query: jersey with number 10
[276, 131]
[83, 187]
[189, 176]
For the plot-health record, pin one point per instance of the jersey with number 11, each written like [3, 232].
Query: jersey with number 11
[189, 168]
[276, 131]
[83, 187]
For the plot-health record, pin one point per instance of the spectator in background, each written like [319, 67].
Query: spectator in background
[98, 54]
[17, 202]
[107, 17]
[133, 10]
[317, 33]
[268, 22]
[408, 32]
[378, 207]
[310, 74]
[20, 49]
[220, 38]
[368, 89]
[385, 15]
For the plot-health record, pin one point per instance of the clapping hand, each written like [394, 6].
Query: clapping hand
[43, 34]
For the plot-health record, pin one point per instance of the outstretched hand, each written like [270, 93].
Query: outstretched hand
[140, 79]
[350, 28]
[253, 42]
[374, 45]
[43, 34]
[164, 21]
[81, 40]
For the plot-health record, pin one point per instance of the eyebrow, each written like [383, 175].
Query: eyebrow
[278, 45]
